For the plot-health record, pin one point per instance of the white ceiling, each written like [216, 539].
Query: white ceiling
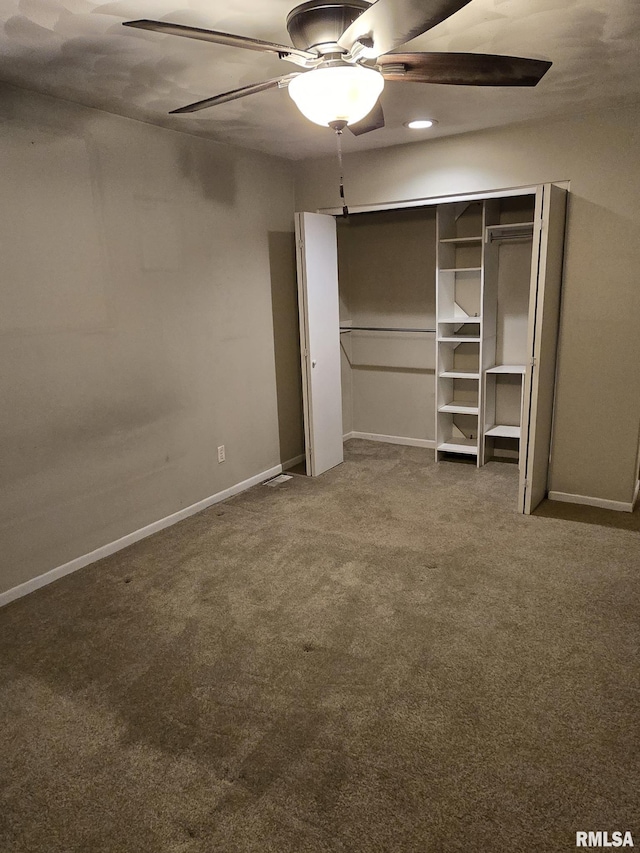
[78, 50]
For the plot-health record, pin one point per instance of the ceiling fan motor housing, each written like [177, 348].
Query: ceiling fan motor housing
[318, 24]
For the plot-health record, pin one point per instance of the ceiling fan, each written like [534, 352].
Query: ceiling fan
[344, 47]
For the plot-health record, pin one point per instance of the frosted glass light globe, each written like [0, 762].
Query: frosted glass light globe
[338, 93]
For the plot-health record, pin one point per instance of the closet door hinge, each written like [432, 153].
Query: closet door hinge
[533, 362]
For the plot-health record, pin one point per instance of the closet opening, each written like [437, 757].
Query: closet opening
[435, 325]
[386, 285]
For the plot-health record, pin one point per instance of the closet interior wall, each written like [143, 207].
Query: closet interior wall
[386, 272]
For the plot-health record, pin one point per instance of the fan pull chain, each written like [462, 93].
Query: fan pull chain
[345, 209]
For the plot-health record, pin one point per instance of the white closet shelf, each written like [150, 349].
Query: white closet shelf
[463, 319]
[507, 368]
[459, 374]
[457, 339]
[461, 240]
[460, 445]
[461, 269]
[503, 431]
[461, 407]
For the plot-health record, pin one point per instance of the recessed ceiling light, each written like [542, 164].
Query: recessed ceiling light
[420, 123]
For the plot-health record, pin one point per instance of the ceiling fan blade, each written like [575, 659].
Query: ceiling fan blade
[372, 121]
[235, 94]
[391, 23]
[218, 37]
[463, 69]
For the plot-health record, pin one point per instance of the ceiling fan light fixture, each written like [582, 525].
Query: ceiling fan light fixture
[335, 94]
[420, 123]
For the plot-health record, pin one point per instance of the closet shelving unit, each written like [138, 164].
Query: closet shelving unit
[461, 327]
[477, 410]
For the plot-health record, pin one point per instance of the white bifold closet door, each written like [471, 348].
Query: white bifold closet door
[544, 315]
[317, 261]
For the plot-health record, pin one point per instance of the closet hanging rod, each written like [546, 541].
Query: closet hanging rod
[381, 329]
[522, 235]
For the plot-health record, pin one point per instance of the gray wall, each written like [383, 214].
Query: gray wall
[598, 389]
[142, 272]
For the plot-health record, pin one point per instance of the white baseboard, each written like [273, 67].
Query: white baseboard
[392, 439]
[619, 506]
[106, 550]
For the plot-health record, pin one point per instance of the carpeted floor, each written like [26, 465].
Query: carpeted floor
[388, 659]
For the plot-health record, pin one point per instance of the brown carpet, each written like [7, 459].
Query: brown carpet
[386, 659]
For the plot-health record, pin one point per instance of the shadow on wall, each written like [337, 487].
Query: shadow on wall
[212, 171]
[42, 115]
[286, 342]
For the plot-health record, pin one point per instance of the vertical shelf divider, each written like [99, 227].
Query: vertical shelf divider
[460, 322]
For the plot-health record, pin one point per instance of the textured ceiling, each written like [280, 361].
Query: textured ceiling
[78, 50]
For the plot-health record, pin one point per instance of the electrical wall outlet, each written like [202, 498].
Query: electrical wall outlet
[221, 454]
